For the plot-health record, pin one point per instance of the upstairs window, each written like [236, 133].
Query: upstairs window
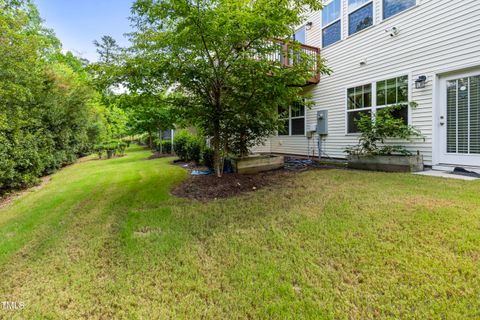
[392, 7]
[360, 15]
[300, 35]
[331, 23]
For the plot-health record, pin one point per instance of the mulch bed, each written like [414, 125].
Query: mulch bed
[204, 188]
[209, 187]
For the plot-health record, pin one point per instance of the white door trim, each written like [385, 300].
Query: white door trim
[439, 109]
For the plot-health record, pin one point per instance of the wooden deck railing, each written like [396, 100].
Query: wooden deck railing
[281, 54]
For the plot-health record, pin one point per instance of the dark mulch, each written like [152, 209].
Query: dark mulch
[209, 187]
[204, 188]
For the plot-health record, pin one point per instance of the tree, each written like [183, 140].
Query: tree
[149, 114]
[47, 116]
[218, 54]
[108, 49]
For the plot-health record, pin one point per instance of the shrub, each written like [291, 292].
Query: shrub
[374, 133]
[122, 146]
[188, 147]
[167, 146]
[111, 148]
[194, 149]
[180, 142]
[100, 151]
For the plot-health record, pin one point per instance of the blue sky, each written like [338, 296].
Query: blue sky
[78, 22]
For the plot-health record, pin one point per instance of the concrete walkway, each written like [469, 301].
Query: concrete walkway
[445, 174]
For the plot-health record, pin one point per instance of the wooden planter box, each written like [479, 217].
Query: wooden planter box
[255, 164]
[387, 163]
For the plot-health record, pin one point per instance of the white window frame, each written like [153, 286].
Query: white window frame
[340, 18]
[374, 106]
[417, 3]
[373, 91]
[347, 22]
[290, 118]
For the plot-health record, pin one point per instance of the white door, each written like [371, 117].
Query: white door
[460, 119]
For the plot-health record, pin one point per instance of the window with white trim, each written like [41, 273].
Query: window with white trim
[293, 121]
[393, 92]
[331, 23]
[359, 102]
[360, 15]
[388, 93]
[393, 7]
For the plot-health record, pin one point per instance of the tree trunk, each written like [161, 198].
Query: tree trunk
[150, 140]
[160, 137]
[217, 157]
[243, 144]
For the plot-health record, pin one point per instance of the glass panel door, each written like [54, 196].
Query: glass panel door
[463, 116]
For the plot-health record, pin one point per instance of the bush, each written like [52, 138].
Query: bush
[188, 147]
[376, 132]
[180, 142]
[167, 146]
[111, 148]
[194, 149]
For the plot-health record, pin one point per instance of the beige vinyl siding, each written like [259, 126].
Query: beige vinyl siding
[434, 36]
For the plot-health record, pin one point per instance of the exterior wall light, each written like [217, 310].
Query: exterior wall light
[309, 25]
[420, 82]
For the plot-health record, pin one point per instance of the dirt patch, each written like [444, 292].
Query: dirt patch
[8, 198]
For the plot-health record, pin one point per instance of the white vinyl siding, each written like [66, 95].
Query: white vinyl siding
[432, 38]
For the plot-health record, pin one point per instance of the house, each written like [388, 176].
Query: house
[385, 52]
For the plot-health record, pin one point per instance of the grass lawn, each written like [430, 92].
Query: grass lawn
[105, 240]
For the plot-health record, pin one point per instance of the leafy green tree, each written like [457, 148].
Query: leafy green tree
[47, 114]
[151, 114]
[218, 54]
[107, 49]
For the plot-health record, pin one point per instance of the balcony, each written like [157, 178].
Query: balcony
[281, 55]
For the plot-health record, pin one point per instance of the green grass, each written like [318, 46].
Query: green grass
[105, 240]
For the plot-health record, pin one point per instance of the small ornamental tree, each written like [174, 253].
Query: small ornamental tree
[219, 55]
[375, 132]
[148, 113]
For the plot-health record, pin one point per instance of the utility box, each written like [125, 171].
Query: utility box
[322, 122]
